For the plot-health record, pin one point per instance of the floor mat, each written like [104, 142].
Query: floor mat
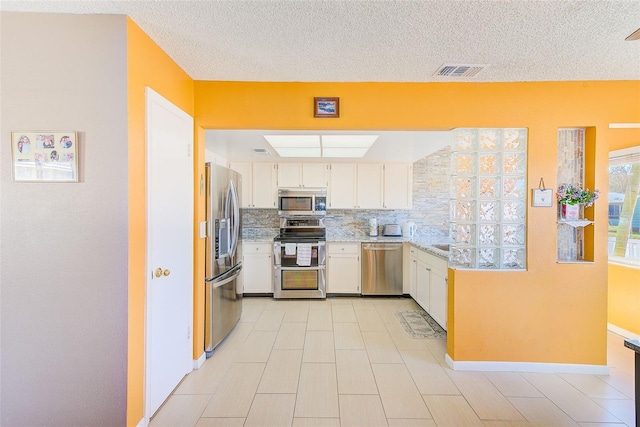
[418, 324]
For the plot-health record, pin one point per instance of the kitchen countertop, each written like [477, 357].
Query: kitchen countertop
[266, 235]
[420, 243]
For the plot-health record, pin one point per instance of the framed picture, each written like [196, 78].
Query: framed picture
[45, 156]
[542, 197]
[326, 107]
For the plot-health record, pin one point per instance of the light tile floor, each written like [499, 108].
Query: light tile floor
[348, 362]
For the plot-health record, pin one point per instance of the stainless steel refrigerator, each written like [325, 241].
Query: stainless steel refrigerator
[223, 262]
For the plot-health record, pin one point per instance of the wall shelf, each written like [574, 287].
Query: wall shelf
[575, 223]
[575, 261]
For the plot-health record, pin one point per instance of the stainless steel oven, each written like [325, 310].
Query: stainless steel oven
[300, 259]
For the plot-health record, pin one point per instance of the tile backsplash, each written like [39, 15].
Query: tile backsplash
[430, 209]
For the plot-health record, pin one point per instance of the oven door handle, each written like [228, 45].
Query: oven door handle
[313, 245]
[321, 267]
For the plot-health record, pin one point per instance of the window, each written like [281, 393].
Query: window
[624, 206]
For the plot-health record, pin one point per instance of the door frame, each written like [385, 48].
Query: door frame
[153, 96]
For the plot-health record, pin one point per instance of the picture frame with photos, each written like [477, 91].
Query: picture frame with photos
[44, 156]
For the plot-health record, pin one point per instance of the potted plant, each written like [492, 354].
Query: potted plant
[570, 197]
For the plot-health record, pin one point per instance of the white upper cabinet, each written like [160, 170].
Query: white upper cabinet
[370, 185]
[245, 169]
[302, 175]
[398, 185]
[342, 186]
[265, 185]
[315, 175]
[289, 175]
[349, 185]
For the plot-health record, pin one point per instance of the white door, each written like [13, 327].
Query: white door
[169, 314]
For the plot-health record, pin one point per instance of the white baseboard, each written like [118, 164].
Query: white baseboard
[618, 330]
[548, 368]
[197, 363]
[142, 423]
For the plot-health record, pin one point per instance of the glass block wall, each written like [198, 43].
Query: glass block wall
[488, 199]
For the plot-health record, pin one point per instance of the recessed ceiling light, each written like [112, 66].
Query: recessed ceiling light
[344, 152]
[321, 146]
[364, 141]
[278, 141]
[298, 151]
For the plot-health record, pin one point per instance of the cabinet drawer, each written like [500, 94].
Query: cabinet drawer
[256, 248]
[343, 248]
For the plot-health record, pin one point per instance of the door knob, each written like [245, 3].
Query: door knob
[158, 272]
[166, 272]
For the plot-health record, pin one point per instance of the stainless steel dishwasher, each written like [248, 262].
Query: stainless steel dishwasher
[382, 269]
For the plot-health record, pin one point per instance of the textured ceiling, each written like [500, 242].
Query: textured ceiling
[392, 41]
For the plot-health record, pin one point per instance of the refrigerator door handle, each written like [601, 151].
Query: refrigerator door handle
[225, 277]
[227, 280]
[235, 217]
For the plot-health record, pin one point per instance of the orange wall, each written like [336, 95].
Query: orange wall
[149, 66]
[554, 313]
[624, 297]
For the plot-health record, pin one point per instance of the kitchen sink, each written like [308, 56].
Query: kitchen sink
[442, 247]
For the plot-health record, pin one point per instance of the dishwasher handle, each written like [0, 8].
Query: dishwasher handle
[382, 247]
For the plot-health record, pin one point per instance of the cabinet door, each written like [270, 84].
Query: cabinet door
[438, 298]
[289, 175]
[245, 169]
[315, 175]
[423, 286]
[342, 191]
[343, 274]
[398, 185]
[257, 270]
[265, 186]
[343, 268]
[413, 278]
[369, 184]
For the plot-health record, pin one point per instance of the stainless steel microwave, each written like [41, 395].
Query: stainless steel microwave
[302, 201]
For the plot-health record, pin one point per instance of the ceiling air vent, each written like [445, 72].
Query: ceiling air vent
[263, 151]
[460, 70]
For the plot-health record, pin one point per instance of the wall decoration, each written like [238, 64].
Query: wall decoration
[542, 196]
[45, 156]
[326, 107]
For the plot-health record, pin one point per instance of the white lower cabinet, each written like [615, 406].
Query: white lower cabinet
[438, 283]
[257, 269]
[428, 284]
[343, 268]
[423, 291]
